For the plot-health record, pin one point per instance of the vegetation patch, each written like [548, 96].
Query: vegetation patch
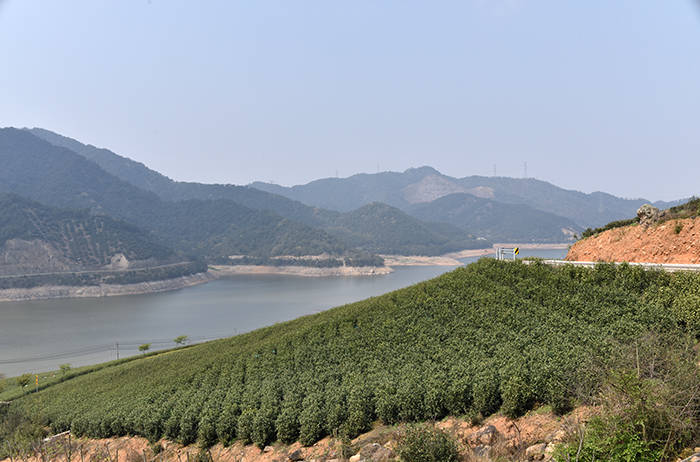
[493, 336]
[425, 443]
[612, 225]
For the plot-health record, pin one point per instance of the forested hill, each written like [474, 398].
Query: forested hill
[380, 229]
[384, 229]
[139, 175]
[490, 337]
[500, 221]
[35, 239]
[59, 177]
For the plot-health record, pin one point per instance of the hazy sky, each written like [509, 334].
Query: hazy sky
[593, 95]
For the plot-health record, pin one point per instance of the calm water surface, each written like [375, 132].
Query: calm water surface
[40, 335]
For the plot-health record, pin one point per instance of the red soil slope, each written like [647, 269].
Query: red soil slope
[644, 244]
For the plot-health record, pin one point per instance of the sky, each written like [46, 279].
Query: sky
[592, 95]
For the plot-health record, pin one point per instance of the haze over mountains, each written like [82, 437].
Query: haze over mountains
[417, 212]
[411, 189]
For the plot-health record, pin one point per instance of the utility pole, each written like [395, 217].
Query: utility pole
[117, 348]
[525, 170]
[494, 169]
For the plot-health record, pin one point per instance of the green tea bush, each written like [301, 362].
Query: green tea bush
[245, 425]
[311, 420]
[425, 443]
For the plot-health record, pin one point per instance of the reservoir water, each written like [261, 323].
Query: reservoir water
[37, 336]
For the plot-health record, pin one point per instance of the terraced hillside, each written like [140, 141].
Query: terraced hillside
[489, 337]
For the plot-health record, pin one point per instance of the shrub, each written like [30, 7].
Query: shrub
[650, 402]
[678, 227]
[360, 411]
[245, 426]
[264, 427]
[156, 448]
[487, 398]
[311, 421]
[287, 424]
[227, 423]
[425, 443]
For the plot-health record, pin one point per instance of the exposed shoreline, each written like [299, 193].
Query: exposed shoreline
[102, 290]
[217, 271]
[307, 271]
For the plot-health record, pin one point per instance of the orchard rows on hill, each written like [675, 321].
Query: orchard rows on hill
[491, 336]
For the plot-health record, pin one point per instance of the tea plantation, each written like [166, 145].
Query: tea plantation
[492, 336]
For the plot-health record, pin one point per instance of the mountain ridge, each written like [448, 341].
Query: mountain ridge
[585, 210]
[437, 237]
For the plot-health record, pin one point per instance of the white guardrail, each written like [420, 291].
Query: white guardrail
[662, 266]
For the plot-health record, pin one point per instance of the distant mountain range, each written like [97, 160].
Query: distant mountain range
[205, 220]
[542, 207]
[417, 212]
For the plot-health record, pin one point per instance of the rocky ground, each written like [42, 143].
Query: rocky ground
[674, 241]
[529, 438]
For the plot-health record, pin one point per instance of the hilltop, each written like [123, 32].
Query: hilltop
[668, 236]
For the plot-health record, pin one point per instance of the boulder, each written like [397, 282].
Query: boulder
[694, 458]
[268, 449]
[356, 458]
[484, 436]
[296, 456]
[541, 451]
[559, 436]
[648, 215]
[482, 451]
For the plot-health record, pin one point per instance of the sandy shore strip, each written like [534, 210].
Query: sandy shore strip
[449, 259]
[306, 271]
[102, 290]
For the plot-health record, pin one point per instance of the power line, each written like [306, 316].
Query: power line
[104, 348]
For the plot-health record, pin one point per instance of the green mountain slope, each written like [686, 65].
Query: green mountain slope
[384, 229]
[142, 177]
[425, 184]
[501, 222]
[487, 337]
[59, 177]
[377, 229]
[36, 238]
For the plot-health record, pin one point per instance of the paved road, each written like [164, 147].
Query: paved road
[662, 266]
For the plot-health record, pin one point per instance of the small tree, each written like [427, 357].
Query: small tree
[144, 348]
[181, 340]
[65, 368]
[3, 383]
